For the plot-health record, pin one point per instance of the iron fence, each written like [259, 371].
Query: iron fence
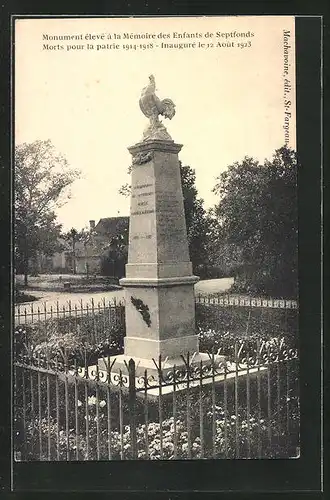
[26, 314]
[244, 301]
[241, 402]
[91, 322]
[96, 322]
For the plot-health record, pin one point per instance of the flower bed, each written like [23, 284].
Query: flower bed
[244, 322]
[243, 421]
[253, 440]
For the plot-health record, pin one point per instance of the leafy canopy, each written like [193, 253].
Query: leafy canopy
[42, 179]
[258, 220]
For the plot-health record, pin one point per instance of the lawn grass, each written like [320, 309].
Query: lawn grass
[65, 283]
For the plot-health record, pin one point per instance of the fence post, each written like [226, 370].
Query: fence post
[132, 406]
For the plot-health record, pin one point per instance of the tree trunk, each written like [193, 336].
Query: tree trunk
[26, 262]
[73, 256]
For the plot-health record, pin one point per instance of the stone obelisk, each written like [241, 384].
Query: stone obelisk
[159, 283]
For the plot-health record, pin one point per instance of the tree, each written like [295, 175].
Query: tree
[73, 237]
[116, 252]
[196, 219]
[257, 218]
[42, 177]
[197, 222]
[223, 257]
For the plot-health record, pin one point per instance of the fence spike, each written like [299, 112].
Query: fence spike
[126, 364]
[155, 363]
[184, 360]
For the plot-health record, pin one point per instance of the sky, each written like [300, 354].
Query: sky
[229, 98]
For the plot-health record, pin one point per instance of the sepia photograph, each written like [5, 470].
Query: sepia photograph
[156, 293]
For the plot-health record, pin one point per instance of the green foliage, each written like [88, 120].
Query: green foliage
[214, 323]
[114, 261]
[21, 297]
[73, 237]
[257, 223]
[91, 335]
[196, 221]
[42, 177]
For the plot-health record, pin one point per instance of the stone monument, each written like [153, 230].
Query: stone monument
[159, 283]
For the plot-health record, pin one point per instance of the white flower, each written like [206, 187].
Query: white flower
[91, 400]
[79, 403]
[102, 403]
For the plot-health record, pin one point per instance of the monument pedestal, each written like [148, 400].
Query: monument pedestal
[160, 317]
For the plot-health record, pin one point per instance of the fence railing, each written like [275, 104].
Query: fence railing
[41, 312]
[91, 322]
[102, 324]
[243, 301]
[32, 313]
[242, 402]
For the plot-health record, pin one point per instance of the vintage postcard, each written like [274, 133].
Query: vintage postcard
[156, 275]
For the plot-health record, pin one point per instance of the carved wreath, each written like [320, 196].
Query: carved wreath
[141, 158]
[143, 309]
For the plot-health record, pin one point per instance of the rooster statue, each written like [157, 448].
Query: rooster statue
[151, 106]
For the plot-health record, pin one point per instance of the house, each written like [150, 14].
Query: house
[60, 261]
[105, 250]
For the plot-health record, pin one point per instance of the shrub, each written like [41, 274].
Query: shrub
[81, 337]
[21, 297]
[244, 322]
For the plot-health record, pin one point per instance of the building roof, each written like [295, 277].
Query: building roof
[110, 226]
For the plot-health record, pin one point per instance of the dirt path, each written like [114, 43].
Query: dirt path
[206, 287]
[63, 298]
